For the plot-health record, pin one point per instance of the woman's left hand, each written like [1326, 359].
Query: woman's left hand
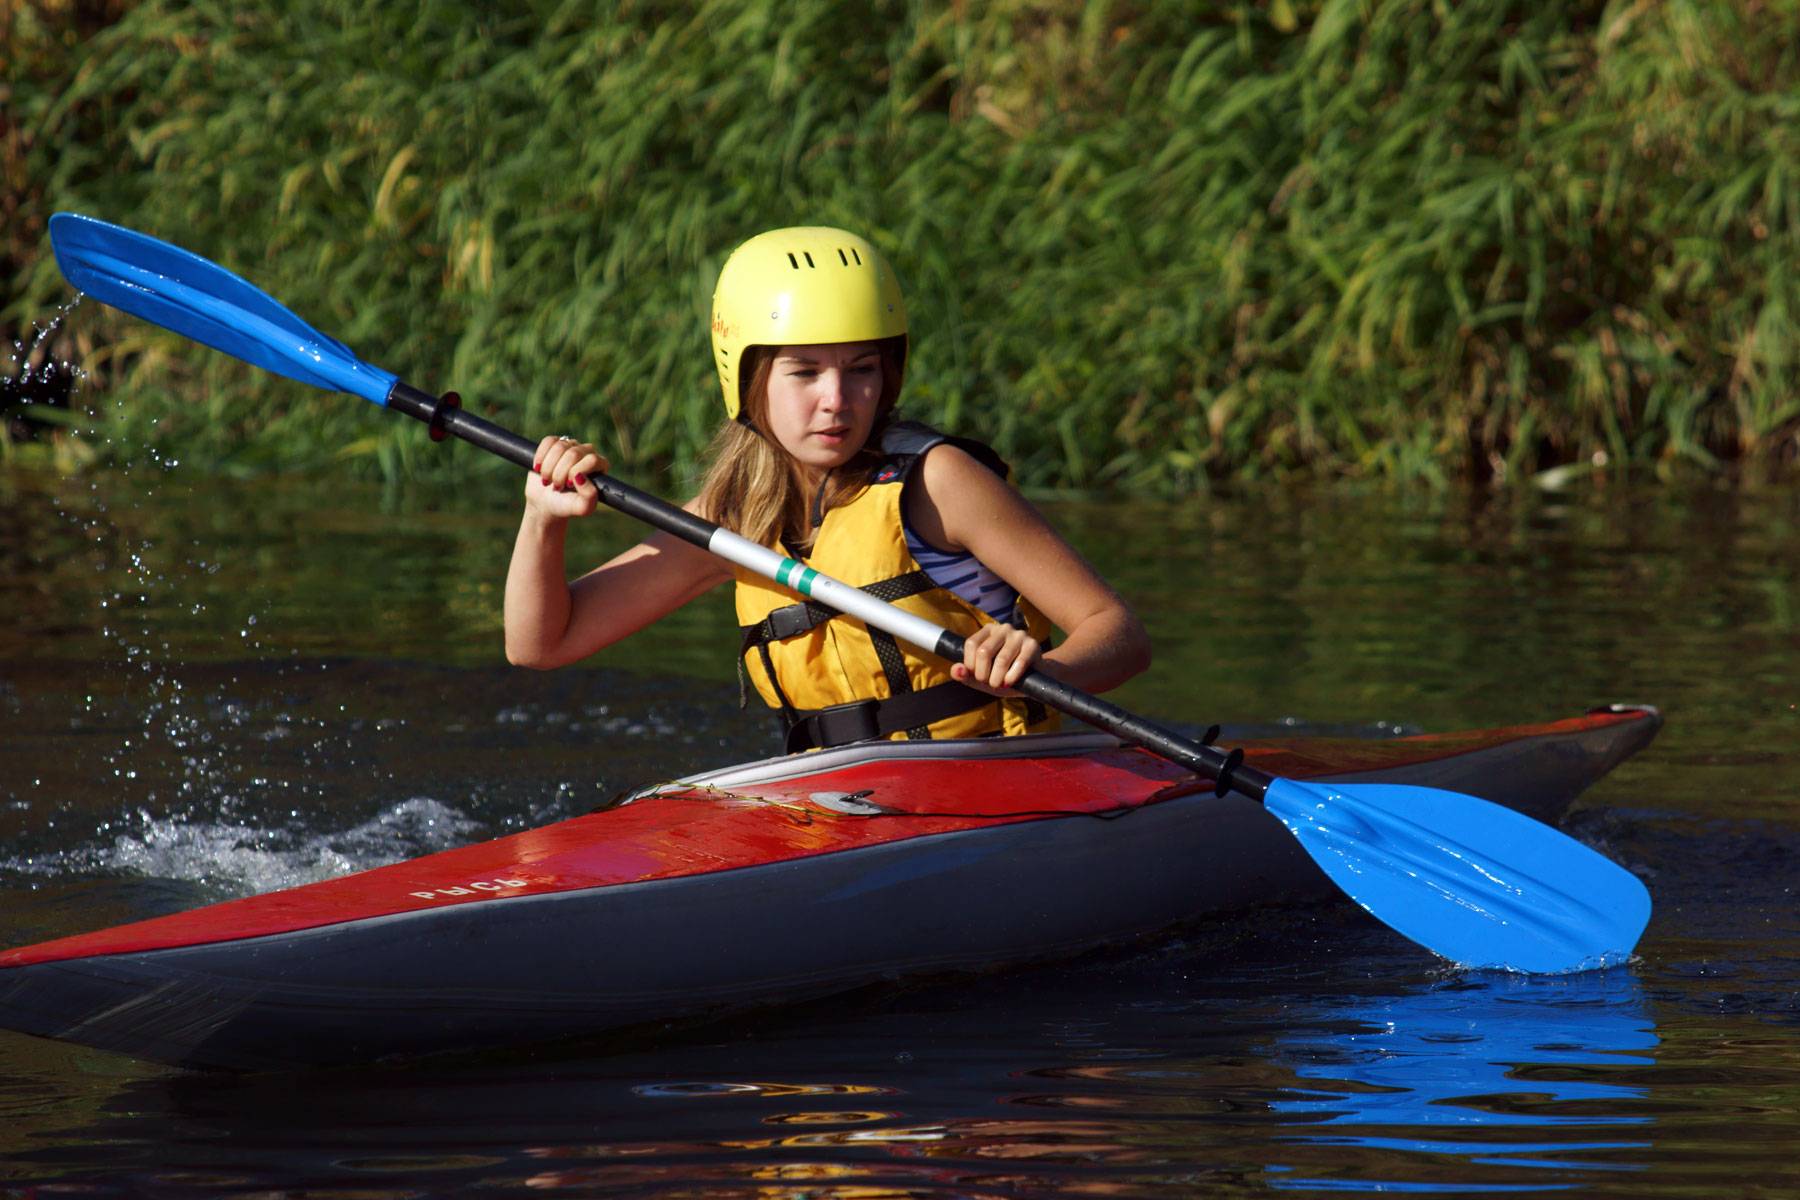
[995, 657]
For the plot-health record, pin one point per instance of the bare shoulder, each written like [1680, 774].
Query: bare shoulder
[949, 465]
[956, 493]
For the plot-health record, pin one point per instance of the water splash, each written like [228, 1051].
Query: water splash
[34, 380]
[232, 859]
[140, 569]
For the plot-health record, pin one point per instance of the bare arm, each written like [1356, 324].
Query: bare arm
[961, 505]
[551, 622]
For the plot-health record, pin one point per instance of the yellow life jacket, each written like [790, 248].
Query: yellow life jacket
[835, 680]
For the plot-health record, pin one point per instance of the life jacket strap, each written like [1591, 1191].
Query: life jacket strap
[792, 620]
[863, 720]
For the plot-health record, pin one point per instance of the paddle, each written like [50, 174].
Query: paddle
[1475, 882]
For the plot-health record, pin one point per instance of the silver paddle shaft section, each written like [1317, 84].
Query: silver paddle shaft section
[1202, 759]
[798, 577]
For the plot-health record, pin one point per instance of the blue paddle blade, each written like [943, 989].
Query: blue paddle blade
[1481, 885]
[183, 292]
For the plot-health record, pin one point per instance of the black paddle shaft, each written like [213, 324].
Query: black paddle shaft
[1226, 768]
[446, 418]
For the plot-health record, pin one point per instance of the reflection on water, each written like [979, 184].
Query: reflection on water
[1065, 1081]
[1497, 1071]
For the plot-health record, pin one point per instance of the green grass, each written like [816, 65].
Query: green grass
[1147, 246]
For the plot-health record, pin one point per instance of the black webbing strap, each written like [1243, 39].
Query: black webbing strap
[893, 669]
[789, 713]
[861, 720]
[795, 619]
[792, 620]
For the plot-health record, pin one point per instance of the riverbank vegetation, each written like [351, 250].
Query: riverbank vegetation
[1147, 246]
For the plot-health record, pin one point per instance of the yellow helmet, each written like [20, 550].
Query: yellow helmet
[805, 286]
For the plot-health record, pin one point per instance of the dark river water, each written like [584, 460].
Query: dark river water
[212, 689]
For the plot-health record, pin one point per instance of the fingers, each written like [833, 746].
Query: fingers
[563, 466]
[996, 657]
[564, 463]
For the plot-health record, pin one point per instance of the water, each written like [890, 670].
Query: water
[32, 377]
[209, 690]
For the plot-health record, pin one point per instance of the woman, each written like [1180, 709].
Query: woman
[809, 335]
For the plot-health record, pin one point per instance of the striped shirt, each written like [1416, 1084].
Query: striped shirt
[963, 575]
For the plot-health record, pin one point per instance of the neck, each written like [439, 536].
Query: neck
[815, 495]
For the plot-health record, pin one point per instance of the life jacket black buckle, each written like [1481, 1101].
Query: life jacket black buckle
[792, 621]
[840, 724]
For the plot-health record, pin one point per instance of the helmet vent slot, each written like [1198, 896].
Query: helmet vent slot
[841, 257]
[807, 254]
[856, 256]
[792, 261]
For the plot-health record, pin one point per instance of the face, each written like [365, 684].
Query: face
[823, 400]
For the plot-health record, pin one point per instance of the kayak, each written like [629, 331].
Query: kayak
[766, 883]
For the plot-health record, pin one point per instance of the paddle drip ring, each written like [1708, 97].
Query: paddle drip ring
[1224, 777]
[441, 412]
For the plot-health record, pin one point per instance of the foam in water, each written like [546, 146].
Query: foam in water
[233, 859]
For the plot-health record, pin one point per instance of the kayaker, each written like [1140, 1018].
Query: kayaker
[810, 344]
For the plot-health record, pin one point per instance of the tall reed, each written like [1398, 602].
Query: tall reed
[1147, 245]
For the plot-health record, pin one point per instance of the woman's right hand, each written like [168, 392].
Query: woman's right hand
[558, 486]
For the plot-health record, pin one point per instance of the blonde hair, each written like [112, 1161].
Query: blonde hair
[755, 489]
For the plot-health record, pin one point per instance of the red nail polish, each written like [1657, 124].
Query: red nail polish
[538, 467]
[580, 480]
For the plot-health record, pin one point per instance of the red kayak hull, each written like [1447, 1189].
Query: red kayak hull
[759, 884]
